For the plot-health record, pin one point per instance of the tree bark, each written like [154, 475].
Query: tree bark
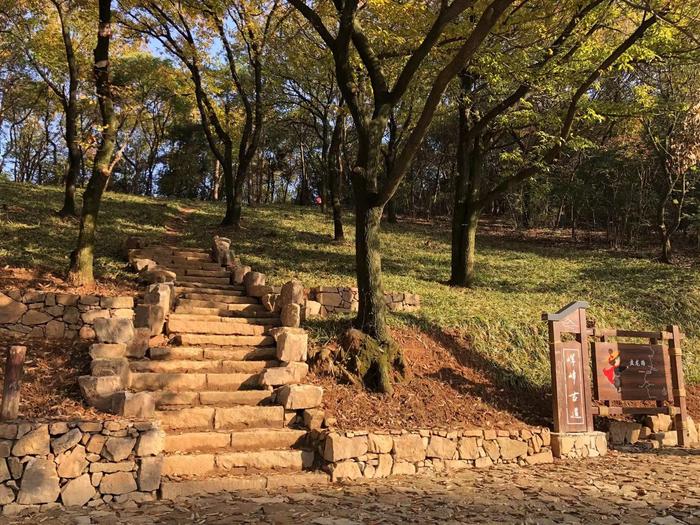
[14, 370]
[371, 316]
[466, 212]
[81, 271]
[335, 172]
[664, 233]
[231, 217]
[72, 115]
[303, 195]
[216, 181]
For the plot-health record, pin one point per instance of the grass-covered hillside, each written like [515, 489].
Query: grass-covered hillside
[518, 280]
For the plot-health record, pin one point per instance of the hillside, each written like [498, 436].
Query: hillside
[495, 326]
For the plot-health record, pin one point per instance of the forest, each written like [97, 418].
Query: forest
[577, 115]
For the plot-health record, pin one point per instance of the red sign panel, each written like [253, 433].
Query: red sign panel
[634, 372]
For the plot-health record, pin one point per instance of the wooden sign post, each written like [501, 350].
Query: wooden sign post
[571, 381]
[14, 370]
[623, 371]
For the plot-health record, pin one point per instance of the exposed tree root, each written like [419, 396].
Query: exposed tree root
[377, 364]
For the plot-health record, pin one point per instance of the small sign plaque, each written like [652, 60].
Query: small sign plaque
[634, 372]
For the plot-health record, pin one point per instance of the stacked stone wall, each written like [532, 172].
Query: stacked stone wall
[46, 464]
[49, 315]
[357, 454]
[338, 299]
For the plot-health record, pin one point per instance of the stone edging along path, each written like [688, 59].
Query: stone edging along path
[222, 404]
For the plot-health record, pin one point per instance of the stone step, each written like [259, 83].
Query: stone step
[169, 399]
[232, 307]
[267, 321]
[232, 303]
[223, 340]
[180, 290]
[236, 441]
[211, 366]
[181, 262]
[171, 489]
[205, 465]
[233, 310]
[217, 301]
[203, 280]
[196, 353]
[193, 382]
[200, 285]
[193, 253]
[179, 326]
[197, 272]
[219, 418]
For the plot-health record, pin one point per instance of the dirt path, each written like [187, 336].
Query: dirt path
[661, 489]
[175, 227]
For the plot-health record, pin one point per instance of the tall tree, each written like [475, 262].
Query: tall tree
[356, 49]
[81, 267]
[35, 31]
[671, 120]
[537, 143]
[70, 106]
[184, 28]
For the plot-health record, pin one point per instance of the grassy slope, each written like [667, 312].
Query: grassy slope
[517, 280]
[32, 236]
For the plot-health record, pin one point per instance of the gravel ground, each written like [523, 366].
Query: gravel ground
[625, 488]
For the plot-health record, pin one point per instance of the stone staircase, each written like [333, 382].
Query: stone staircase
[223, 428]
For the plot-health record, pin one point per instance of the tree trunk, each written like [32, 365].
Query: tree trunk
[232, 217]
[72, 115]
[216, 181]
[371, 316]
[81, 272]
[73, 172]
[665, 246]
[303, 195]
[466, 212]
[335, 172]
[391, 211]
[664, 230]
[377, 355]
[464, 225]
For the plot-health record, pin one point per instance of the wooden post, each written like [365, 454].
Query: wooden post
[14, 369]
[582, 338]
[678, 384]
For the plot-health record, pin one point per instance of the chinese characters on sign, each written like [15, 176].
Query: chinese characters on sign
[575, 403]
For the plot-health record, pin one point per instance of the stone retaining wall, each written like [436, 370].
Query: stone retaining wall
[334, 299]
[78, 463]
[49, 315]
[579, 445]
[357, 454]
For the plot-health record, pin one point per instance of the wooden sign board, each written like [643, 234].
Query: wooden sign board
[570, 369]
[631, 372]
[572, 403]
